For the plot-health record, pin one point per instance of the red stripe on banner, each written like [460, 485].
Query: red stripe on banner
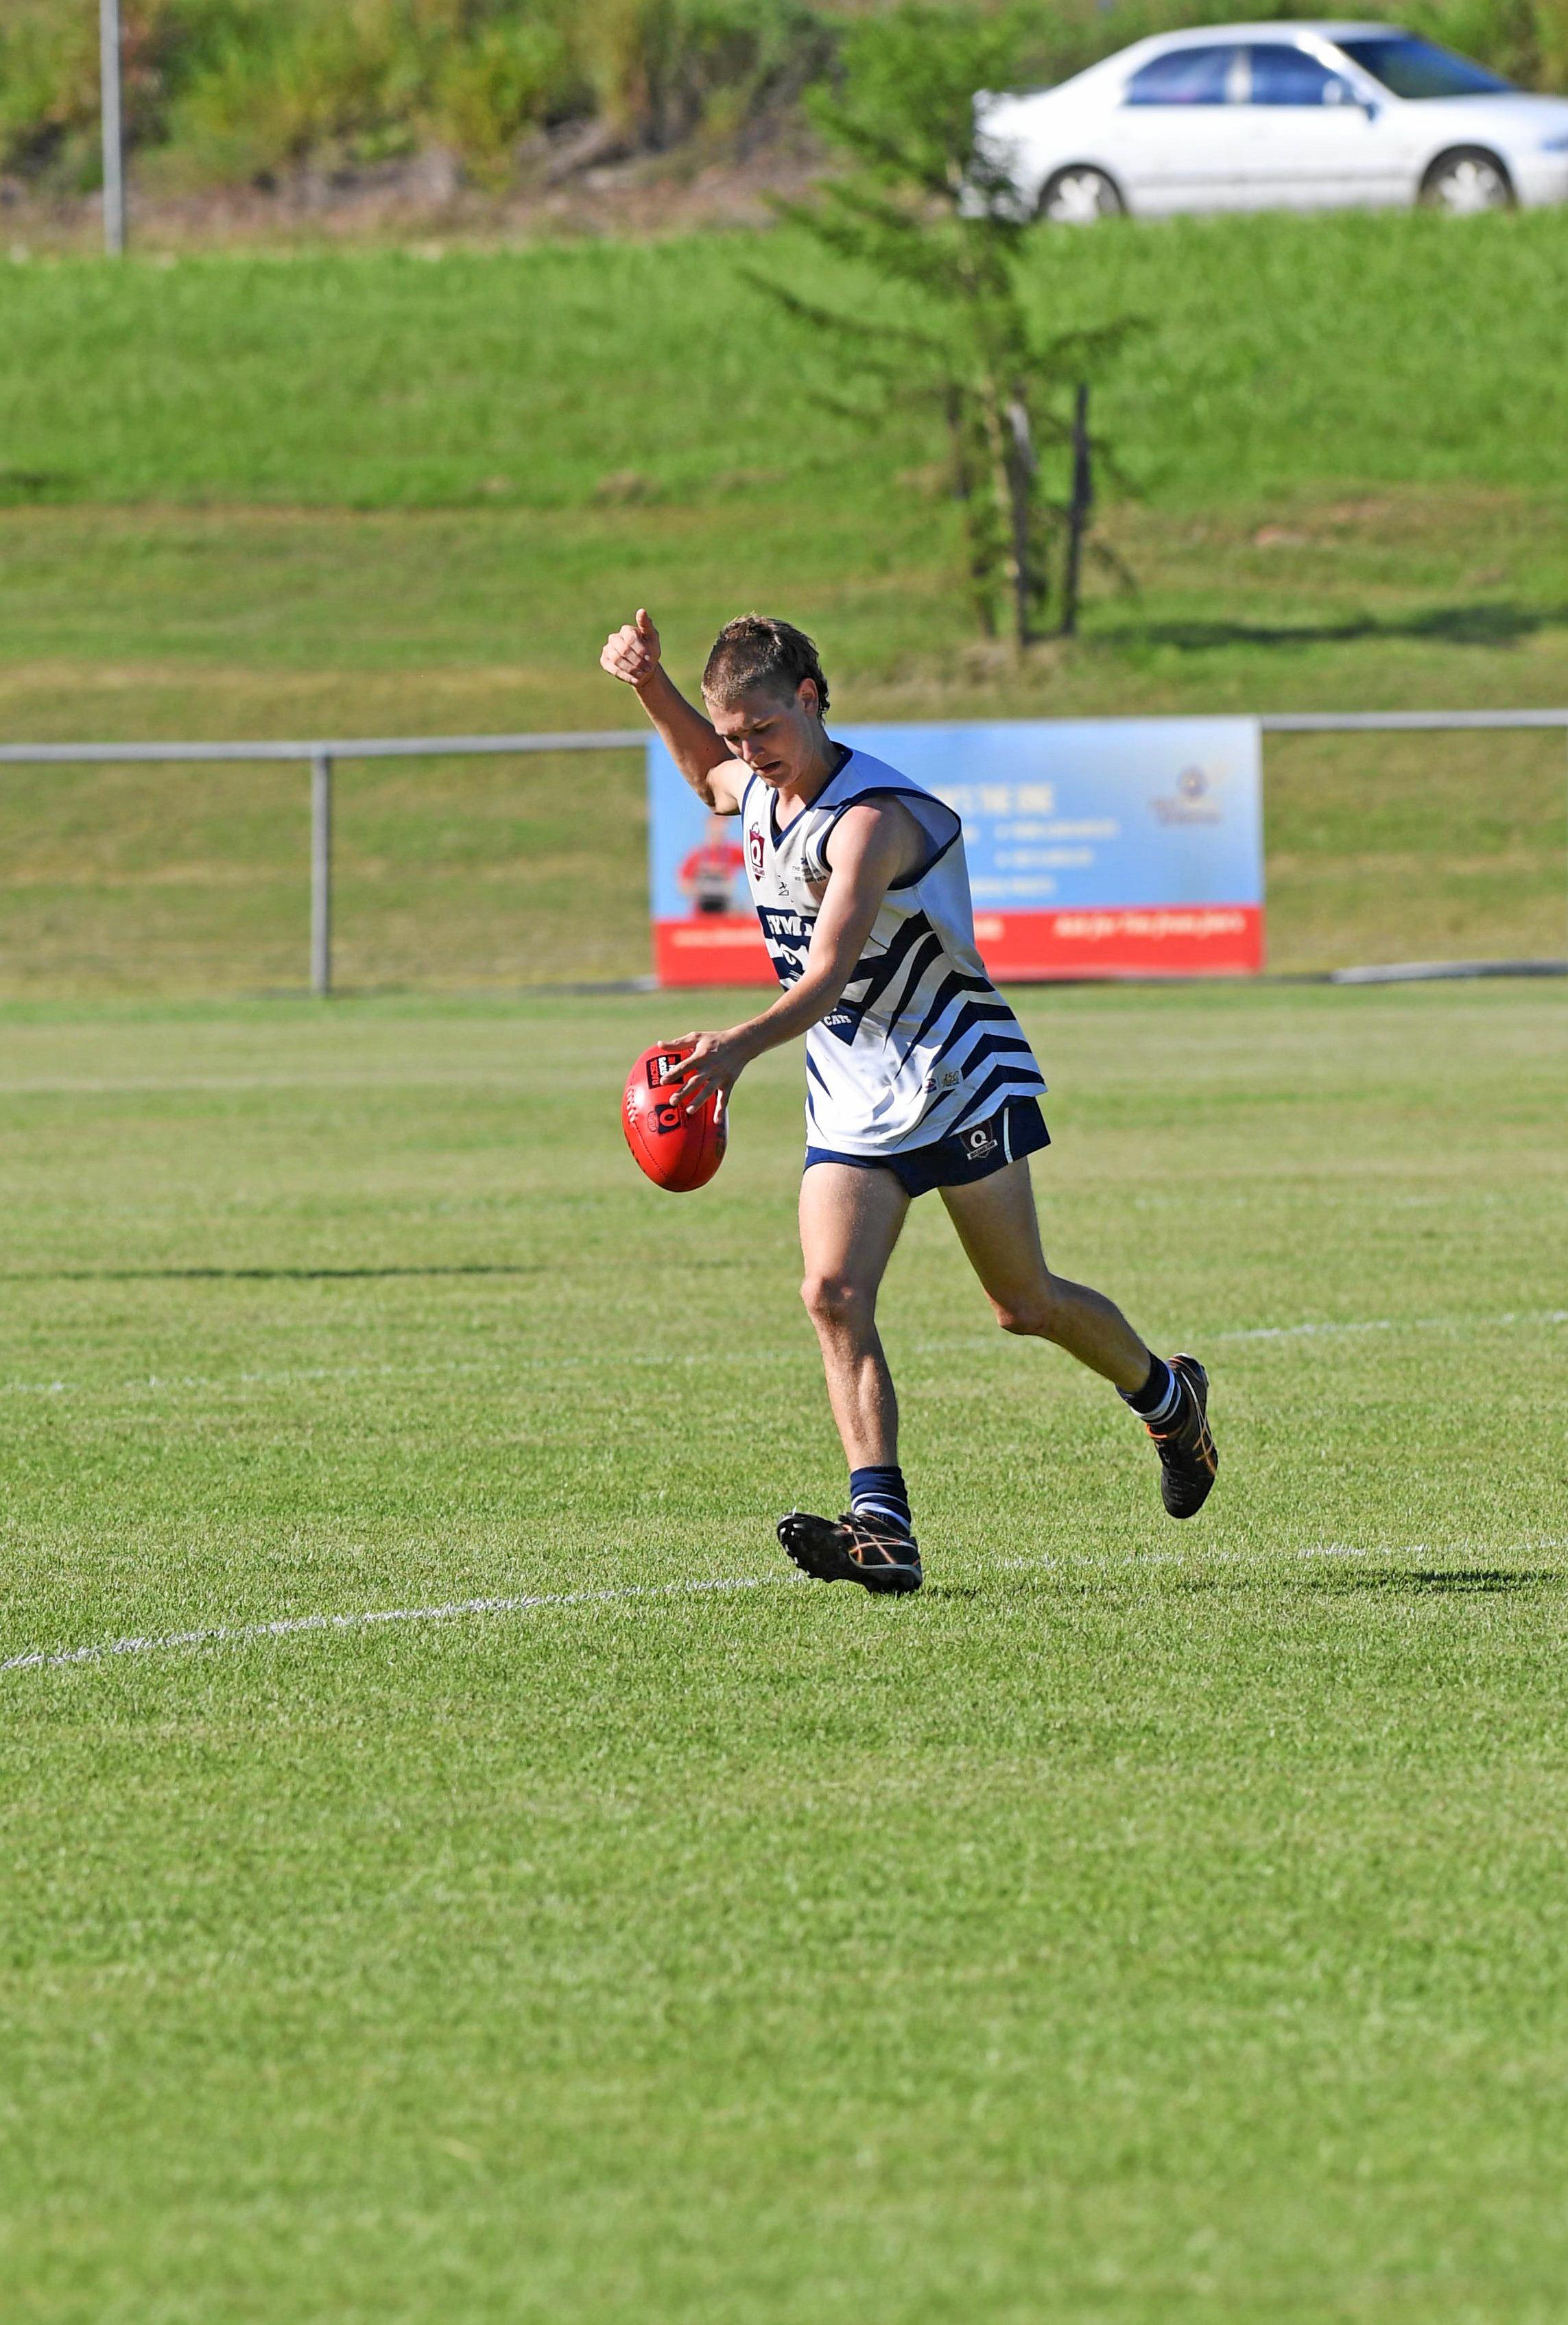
[1133, 941]
[1027, 947]
[719, 948]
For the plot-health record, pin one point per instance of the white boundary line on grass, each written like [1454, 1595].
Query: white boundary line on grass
[230, 1634]
[1397, 1324]
[285, 1626]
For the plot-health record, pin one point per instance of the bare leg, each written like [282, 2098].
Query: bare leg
[850, 1223]
[1000, 1231]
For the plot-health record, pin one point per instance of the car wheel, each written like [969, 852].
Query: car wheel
[1079, 195]
[1467, 181]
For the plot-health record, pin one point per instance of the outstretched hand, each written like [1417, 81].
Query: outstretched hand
[632, 651]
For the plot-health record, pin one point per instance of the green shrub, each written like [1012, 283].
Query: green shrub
[49, 84]
[659, 66]
[495, 85]
[293, 84]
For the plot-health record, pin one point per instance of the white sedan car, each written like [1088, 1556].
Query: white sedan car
[1277, 116]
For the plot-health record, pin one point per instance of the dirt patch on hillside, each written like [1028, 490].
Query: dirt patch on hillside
[565, 190]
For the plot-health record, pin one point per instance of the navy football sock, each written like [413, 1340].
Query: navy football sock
[879, 1491]
[1159, 1399]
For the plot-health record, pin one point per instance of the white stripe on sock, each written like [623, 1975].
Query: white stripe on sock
[869, 1505]
[1168, 1408]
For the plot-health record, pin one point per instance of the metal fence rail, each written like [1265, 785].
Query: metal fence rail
[321, 757]
[1392, 722]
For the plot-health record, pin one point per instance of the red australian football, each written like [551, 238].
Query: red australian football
[679, 1150]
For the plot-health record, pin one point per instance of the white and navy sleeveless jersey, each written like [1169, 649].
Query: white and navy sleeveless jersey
[921, 1044]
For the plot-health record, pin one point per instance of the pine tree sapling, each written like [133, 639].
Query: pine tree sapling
[930, 213]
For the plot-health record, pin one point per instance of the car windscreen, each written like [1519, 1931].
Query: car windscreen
[1412, 67]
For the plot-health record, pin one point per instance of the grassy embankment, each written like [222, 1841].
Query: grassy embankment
[379, 493]
[1147, 1926]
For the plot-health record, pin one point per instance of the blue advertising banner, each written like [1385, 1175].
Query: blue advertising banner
[1096, 847]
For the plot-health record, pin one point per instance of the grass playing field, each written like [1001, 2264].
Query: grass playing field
[1144, 1924]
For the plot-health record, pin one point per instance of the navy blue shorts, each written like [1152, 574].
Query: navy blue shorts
[957, 1162]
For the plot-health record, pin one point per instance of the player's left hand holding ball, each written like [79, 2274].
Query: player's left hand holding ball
[679, 1146]
[713, 1064]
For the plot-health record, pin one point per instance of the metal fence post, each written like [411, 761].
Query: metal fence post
[320, 874]
[112, 126]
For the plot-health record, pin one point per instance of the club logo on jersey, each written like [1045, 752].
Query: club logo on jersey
[754, 848]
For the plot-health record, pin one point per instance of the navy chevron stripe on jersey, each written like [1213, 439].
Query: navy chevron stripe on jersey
[920, 1031]
[1009, 1048]
[977, 1016]
[949, 994]
[912, 974]
[881, 977]
[984, 1097]
[975, 1049]
[874, 972]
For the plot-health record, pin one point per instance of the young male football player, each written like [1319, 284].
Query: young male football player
[918, 1076]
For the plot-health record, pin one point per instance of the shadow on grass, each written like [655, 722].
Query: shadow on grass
[25, 487]
[1329, 1580]
[248, 1274]
[1440, 1581]
[1488, 623]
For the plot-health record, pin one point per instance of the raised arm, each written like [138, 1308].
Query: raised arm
[631, 653]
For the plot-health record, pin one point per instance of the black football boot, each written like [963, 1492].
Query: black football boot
[1188, 1455]
[876, 1552]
